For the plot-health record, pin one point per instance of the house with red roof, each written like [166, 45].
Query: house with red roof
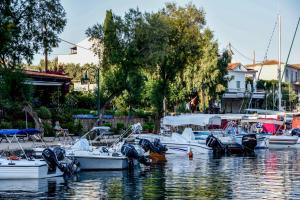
[47, 83]
[241, 89]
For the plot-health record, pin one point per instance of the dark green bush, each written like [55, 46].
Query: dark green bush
[109, 112]
[78, 128]
[120, 126]
[81, 111]
[149, 126]
[48, 130]
[44, 113]
[145, 127]
[142, 113]
[107, 124]
[5, 125]
[19, 124]
[70, 126]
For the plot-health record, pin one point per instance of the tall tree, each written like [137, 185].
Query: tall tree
[174, 34]
[121, 41]
[26, 26]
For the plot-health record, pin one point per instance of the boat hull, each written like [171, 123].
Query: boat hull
[281, 142]
[24, 169]
[177, 144]
[102, 163]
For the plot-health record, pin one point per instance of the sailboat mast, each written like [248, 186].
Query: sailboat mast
[279, 64]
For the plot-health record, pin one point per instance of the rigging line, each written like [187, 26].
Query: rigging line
[241, 53]
[75, 44]
[287, 59]
[267, 50]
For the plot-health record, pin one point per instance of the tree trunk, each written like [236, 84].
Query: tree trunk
[46, 59]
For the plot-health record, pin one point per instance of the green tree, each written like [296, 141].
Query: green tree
[173, 36]
[271, 100]
[13, 90]
[26, 26]
[122, 44]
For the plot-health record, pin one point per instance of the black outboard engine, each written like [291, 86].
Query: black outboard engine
[54, 159]
[130, 152]
[161, 148]
[249, 142]
[296, 131]
[215, 144]
[156, 147]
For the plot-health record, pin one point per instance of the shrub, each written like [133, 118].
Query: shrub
[151, 126]
[145, 127]
[78, 127]
[148, 126]
[48, 130]
[22, 124]
[109, 112]
[5, 125]
[107, 124]
[120, 126]
[44, 113]
[81, 111]
[70, 126]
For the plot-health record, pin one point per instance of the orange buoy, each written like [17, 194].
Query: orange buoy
[190, 154]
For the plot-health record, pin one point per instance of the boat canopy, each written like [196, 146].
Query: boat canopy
[201, 119]
[267, 121]
[30, 131]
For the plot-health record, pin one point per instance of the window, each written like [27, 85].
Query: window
[292, 77]
[238, 85]
[296, 76]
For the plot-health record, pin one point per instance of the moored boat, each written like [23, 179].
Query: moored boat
[54, 162]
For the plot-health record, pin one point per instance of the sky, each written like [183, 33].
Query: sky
[246, 24]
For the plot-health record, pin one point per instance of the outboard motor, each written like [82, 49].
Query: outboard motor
[215, 144]
[54, 157]
[130, 152]
[296, 131]
[156, 147]
[161, 148]
[249, 142]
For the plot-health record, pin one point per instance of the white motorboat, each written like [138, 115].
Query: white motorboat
[178, 143]
[189, 139]
[26, 169]
[284, 141]
[105, 158]
[53, 163]
[92, 158]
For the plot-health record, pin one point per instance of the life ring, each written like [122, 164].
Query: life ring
[13, 157]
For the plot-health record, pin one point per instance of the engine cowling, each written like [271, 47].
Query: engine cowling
[54, 158]
[130, 152]
[156, 146]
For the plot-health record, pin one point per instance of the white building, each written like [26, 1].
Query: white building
[80, 54]
[269, 71]
[241, 88]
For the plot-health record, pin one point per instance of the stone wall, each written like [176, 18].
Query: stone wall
[90, 123]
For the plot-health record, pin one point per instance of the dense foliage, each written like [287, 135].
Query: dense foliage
[156, 60]
[289, 97]
[26, 26]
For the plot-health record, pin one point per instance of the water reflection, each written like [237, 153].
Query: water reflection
[268, 175]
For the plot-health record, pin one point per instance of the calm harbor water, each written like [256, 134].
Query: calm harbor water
[268, 175]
